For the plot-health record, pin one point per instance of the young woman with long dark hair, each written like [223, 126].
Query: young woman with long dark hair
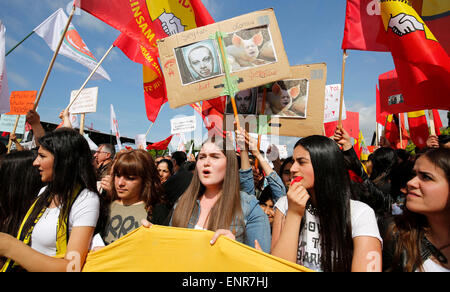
[20, 182]
[317, 224]
[419, 239]
[57, 230]
[213, 200]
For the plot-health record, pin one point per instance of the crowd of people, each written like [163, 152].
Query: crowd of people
[321, 208]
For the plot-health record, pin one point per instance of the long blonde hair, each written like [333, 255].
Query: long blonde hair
[228, 206]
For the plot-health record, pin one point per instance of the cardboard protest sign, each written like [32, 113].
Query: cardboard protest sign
[86, 102]
[194, 67]
[7, 123]
[182, 125]
[21, 102]
[293, 107]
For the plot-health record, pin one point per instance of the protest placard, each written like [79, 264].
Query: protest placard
[21, 102]
[182, 125]
[332, 101]
[194, 67]
[86, 101]
[293, 107]
[7, 123]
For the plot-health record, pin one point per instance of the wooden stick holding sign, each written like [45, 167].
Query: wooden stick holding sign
[13, 132]
[432, 128]
[341, 102]
[263, 109]
[89, 77]
[230, 83]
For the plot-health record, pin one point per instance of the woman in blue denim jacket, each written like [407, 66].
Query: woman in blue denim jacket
[213, 201]
[246, 174]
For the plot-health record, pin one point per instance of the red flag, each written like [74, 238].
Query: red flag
[350, 124]
[397, 97]
[363, 27]
[381, 116]
[161, 145]
[5, 134]
[423, 66]
[392, 131]
[418, 128]
[437, 122]
[213, 111]
[142, 23]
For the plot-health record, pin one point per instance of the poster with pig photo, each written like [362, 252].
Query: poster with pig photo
[193, 65]
[249, 48]
[287, 98]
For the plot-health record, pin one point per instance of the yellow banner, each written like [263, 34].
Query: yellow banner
[170, 249]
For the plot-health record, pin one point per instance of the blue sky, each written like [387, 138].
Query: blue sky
[312, 32]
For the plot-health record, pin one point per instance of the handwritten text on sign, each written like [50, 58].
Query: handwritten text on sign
[332, 101]
[183, 125]
[7, 123]
[86, 102]
[21, 102]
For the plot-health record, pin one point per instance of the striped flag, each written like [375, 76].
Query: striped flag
[4, 91]
[115, 127]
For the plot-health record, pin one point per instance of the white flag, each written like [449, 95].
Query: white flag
[73, 46]
[332, 101]
[4, 91]
[115, 127]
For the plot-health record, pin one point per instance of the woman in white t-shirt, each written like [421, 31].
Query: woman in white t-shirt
[419, 239]
[56, 232]
[317, 225]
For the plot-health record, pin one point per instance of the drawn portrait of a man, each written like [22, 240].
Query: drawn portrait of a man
[201, 62]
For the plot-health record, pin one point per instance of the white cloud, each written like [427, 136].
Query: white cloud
[19, 80]
[68, 69]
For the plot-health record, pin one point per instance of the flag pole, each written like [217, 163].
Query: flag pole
[263, 109]
[229, 85]
[13, 48]
[341, 101]
[432, 128]
[400, 130]
[90, 76]
[54, 58]
[148, 131]
[82, 121]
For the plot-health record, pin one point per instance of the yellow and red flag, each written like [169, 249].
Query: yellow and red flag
[422, 65]
[392, 132]
[142, 23]
[418, 128]
[364, 27]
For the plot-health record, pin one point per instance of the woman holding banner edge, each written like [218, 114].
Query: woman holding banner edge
[66, 209]
[213, 200]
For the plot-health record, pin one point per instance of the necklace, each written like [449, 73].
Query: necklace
[311, 209]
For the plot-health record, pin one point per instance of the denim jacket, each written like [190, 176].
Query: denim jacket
[256, 222]
[273, 179]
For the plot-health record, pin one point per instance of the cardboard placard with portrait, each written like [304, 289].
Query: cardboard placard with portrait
[291, 107]
[193, 65]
